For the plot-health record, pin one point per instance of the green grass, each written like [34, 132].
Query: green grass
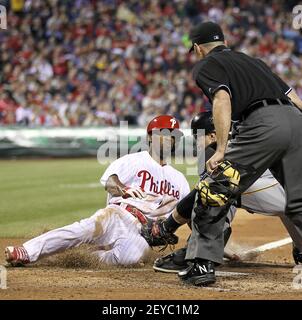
[43, 194]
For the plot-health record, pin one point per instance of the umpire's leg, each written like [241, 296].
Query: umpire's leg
[289, 172]
[263, 140]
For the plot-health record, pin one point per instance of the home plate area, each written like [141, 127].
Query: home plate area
[268, 273]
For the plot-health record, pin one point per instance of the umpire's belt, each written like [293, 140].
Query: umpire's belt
[135, 212]
[264, 103]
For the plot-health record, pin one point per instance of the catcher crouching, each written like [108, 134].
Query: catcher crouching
[266, 196]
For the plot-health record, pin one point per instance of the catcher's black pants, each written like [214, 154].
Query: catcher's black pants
[270, 138]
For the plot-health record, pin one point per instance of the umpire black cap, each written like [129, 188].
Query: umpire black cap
[206, 32]
[203, 120]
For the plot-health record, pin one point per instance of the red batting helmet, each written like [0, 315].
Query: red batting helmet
[163, 122]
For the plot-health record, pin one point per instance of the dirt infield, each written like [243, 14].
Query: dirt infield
[269, 276]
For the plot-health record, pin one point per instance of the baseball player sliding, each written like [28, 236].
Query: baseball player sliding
[140, 186]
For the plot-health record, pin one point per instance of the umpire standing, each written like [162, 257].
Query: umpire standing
[269, 136]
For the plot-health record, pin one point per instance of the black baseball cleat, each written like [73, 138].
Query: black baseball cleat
[171, 263]
[201, 273]
[297, 255]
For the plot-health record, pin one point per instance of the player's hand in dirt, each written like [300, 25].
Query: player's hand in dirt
[133, 192]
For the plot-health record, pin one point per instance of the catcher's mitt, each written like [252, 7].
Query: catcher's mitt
[216, 189]
[155, 233]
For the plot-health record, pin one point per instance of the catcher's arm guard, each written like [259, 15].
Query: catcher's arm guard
[155, 233]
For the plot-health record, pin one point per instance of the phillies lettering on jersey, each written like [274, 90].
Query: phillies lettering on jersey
[164, 185]
[158, 187]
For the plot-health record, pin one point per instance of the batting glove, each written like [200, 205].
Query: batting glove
[132, 192]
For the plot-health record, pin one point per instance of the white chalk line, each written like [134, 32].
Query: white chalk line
[274, 244]
[266, 247]
[216, 289]
[218, 273]
[231, 274]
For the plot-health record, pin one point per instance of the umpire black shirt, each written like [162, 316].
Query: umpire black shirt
[246, 79]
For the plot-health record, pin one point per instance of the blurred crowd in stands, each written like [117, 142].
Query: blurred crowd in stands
[94, 63]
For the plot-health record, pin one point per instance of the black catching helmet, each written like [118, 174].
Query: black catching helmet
[203, 120]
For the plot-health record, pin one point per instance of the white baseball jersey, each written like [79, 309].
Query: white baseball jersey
[164, 185]
[114, 230]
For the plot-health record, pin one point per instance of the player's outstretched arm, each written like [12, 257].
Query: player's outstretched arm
[114, 186]
[295, 98]
[117, 189]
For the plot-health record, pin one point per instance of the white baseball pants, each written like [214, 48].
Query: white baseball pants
[111, 227]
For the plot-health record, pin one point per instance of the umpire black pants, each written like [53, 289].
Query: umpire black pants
[270, 138]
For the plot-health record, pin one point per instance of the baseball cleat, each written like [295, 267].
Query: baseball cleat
[16, 256]
[201, 273]
[297, 255]
[171, 263]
